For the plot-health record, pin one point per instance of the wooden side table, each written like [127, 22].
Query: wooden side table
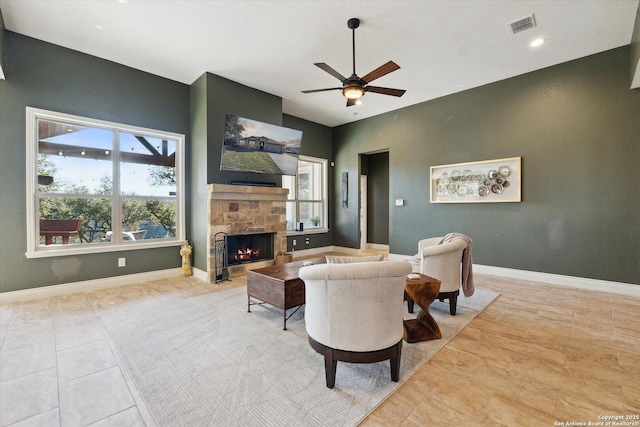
[423, 290]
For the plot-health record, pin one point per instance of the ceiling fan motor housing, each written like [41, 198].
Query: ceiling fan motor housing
[353, 87]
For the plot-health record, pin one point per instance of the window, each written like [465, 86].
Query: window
[307, 200]
[95, 186]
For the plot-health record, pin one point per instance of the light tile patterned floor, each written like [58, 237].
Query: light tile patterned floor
[538, 354]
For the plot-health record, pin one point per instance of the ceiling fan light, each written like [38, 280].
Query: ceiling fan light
[353, 92]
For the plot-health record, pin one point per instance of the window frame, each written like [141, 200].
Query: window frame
[34, 249]
[324, 200]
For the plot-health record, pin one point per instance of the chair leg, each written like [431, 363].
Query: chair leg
[410, 302]
[395, 363]
[453, 303]
[330, 365]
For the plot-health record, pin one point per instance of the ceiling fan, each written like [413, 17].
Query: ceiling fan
[355, 87]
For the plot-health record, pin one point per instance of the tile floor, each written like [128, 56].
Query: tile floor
[538, 354]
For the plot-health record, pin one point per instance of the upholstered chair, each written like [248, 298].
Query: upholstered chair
[354, 312]
[443, 262]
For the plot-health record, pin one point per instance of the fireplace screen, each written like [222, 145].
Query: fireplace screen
[249, 247]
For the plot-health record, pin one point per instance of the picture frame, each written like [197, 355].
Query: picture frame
[345, 189]
[486, 181]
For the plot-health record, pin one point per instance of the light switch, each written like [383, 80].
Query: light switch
[399, 202]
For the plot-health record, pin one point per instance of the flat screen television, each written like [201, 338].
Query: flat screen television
[258, 147]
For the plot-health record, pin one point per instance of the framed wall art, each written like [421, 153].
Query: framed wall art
[345, 189]
[487, 181]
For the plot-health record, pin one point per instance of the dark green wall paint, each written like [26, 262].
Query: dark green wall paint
[576, 127]
[197, 160]
[378, 202]
[47, 76]
[212, 98]
[316, 142]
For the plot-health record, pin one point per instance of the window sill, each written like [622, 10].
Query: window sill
[307, 231]
[97, 248]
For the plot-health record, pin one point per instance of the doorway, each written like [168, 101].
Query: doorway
[374, 200]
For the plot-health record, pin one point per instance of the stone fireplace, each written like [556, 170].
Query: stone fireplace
[242, 211]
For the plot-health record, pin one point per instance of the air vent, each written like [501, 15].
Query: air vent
[522, 24]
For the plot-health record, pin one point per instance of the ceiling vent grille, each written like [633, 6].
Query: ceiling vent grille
[522, 24]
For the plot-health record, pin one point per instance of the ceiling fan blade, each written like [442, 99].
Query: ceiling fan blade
[321, 90]
[385, 90]
[330, 70]
[351, 102]
[381, 71]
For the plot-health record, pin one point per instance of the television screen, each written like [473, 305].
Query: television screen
[253, 146]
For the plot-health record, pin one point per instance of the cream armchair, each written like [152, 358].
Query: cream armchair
[443, 262]
[354, 312]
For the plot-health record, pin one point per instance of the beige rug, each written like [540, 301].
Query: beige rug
[205, 361]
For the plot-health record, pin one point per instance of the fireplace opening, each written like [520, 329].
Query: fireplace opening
[249, 248]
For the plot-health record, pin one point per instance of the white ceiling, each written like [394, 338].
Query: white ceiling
[442, 46]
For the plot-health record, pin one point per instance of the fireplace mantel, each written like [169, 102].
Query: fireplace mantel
[246, 209]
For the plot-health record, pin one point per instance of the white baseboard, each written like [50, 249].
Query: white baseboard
[377, 246]
[86, 285]
[109, 282]
[558, 279]
[554, 279]
[200, 274]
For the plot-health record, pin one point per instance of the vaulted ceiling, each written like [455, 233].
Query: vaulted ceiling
[442, 46]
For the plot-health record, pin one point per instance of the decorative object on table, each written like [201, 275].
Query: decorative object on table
[487, 181]
[185, 252]
[345, 189]
[283, 257]
[422, 290]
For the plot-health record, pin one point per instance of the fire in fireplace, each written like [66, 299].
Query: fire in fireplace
[250, 247]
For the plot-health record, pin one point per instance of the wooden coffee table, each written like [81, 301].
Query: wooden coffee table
[279, 287]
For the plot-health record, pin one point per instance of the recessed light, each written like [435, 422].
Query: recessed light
[537, 42]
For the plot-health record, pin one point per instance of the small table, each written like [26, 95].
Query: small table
[279, 287]
[423, 291]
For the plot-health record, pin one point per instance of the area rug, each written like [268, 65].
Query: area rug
[206, 361]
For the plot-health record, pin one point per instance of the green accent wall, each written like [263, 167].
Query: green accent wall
[51, 77]
[576, 127]
[212, 98]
